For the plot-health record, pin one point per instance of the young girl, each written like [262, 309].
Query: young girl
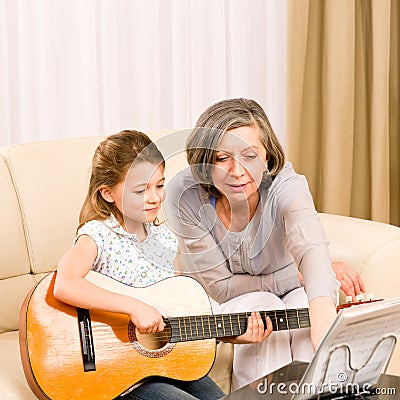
[118, 236]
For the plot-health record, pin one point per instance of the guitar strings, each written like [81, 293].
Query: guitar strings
[212, 326]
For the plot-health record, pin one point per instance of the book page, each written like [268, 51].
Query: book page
[355, 351]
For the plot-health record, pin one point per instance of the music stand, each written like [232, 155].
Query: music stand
[354, 353]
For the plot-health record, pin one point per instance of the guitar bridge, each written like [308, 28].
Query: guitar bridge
[85, 334]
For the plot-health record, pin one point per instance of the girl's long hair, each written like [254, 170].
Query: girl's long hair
[112, 159]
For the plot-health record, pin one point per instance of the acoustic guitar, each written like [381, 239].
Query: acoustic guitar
[70, 353]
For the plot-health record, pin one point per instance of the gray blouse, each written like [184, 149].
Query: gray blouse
[284, 233]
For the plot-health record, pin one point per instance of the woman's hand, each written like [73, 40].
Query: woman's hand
[322, 314]
[147, 319]
[350, 280]
[255, 332]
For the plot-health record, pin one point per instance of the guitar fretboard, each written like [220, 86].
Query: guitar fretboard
[197, 327]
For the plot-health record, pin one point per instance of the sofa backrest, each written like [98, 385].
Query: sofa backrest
[44, 188]
[14, 259]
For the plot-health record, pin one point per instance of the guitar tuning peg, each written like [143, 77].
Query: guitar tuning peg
[349, 299]
[370, 296]
[360, 297]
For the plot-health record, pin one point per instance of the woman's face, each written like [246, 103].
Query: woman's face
[241, 160]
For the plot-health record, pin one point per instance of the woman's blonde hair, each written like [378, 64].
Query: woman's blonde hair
[111, 160]
[214, 122]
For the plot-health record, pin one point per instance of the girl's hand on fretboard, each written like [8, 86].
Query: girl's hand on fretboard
[255, 332]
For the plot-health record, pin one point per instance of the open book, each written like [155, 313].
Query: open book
[355, 351]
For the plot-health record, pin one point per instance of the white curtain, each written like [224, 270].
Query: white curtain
[73, 68]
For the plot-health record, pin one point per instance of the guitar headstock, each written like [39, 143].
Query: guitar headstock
[360, 299]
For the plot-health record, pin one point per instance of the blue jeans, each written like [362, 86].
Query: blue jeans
[170, 389]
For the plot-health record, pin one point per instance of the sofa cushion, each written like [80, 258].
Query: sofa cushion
[221, 372]
[12, 294]
[51, 180]
[12, 379]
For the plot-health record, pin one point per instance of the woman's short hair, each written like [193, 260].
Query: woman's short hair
[220, 117]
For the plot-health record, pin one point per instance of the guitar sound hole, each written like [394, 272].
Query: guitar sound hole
[150, 341]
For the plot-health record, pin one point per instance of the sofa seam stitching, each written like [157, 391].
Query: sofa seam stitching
[31, 256]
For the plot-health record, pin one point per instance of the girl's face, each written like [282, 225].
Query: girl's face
[241, 160]
[139, 196]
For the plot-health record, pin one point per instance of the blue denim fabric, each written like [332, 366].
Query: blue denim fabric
[170, 389]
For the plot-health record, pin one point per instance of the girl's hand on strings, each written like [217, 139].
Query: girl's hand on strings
[147, 319]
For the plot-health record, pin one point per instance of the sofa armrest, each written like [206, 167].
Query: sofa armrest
[373, 250]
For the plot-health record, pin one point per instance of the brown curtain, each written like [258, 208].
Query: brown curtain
[343, 116]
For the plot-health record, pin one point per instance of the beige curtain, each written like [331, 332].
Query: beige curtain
[343, 116]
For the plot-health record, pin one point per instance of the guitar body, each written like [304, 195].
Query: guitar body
[51, 349]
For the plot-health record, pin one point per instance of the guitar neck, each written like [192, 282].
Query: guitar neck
[197, 327]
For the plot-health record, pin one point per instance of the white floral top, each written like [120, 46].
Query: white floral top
[121, 256]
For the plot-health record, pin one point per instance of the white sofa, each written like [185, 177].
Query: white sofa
[43, 186]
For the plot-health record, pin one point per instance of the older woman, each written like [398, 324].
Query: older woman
[247, 226]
